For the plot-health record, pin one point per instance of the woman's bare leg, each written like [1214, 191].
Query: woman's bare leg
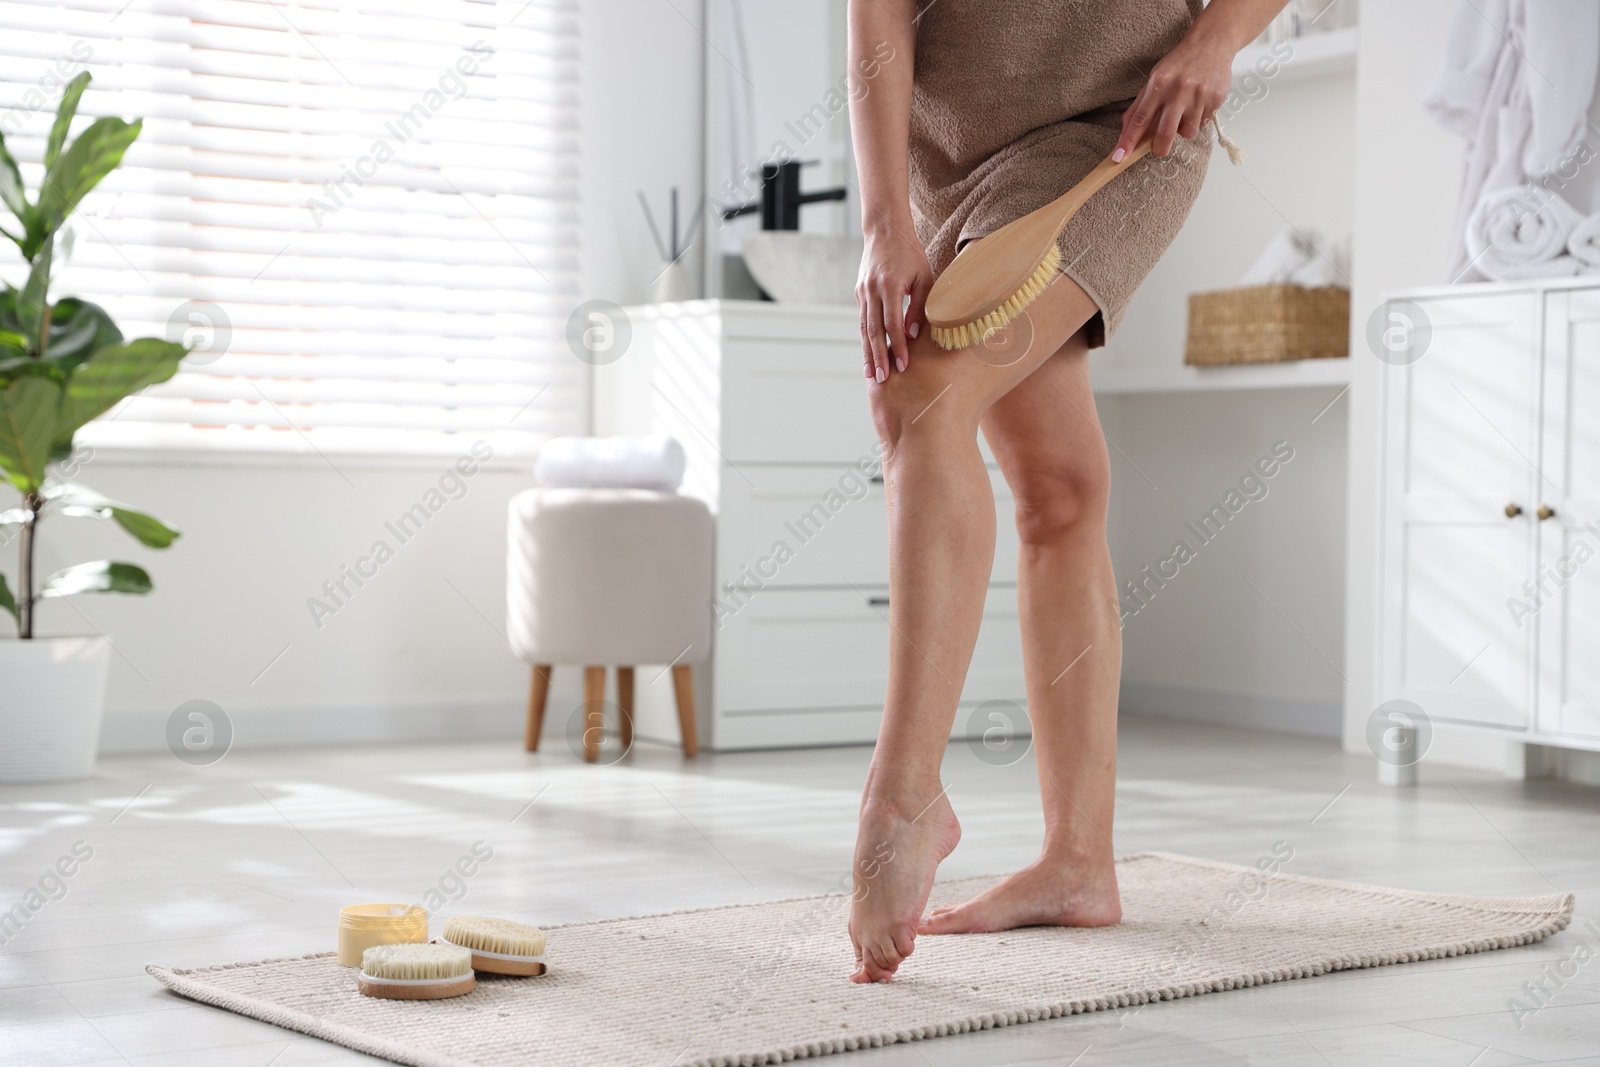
[1046, 435]
[941, 549]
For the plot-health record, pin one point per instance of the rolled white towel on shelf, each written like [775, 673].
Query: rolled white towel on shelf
[1584, 244]
[1521, 231]
[1300, 257]
[611, 463]
[1287, 252]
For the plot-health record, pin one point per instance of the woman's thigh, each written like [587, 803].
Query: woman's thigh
[942, 387]
[1046, 436]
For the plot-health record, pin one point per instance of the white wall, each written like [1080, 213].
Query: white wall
[416, 650]
[1251, 632]
[409, 656]
[1408, 171]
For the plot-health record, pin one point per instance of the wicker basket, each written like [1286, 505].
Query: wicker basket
[1267, 324]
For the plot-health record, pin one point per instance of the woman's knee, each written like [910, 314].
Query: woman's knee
[921, 404]
[1056, 498]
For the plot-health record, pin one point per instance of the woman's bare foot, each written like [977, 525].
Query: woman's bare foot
[1044, 893]
[898, 849]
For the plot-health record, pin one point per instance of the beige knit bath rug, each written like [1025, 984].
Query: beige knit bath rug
[765, 983]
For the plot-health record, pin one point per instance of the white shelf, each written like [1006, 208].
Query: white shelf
[1302, 374]
[1316, 55]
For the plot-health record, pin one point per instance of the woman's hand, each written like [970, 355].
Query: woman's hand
[1184, 91]
[893, 267]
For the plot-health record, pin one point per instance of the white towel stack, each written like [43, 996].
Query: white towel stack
[1584, 245]
[1523, 231]
[611, 463]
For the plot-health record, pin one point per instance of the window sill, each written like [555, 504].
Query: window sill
[328, 460]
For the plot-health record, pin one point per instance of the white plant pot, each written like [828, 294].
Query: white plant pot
[52, 692]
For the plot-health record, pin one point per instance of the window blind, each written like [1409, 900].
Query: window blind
[364, 214]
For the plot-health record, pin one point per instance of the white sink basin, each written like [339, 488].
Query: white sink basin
[803, 268]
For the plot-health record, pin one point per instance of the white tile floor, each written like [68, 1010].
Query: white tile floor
[252, 857]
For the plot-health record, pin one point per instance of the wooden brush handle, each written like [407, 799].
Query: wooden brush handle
[1070, 201]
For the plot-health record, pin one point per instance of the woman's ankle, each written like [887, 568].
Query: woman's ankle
[900, 792]
[1076, 856]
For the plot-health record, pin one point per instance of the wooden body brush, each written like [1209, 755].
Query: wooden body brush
[415, 972]
[993, 280]
[498, 946]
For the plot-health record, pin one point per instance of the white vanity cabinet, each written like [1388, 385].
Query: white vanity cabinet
[1569, 542]
[770, 403]
[1490, 556]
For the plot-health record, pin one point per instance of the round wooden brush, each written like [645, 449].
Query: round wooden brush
[990, 282]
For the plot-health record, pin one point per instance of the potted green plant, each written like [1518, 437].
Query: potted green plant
[61, 365]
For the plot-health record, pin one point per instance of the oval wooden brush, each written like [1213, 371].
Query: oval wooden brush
[415, 972]
[498, 946]
[996, 277]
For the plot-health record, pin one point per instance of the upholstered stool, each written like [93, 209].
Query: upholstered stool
[608, 577]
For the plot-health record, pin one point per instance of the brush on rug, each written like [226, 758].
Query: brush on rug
[765, 983]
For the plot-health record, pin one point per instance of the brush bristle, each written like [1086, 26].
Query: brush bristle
[486, 934]
[413, 962]
[972, 333]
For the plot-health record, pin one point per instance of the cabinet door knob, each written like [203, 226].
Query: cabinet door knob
[1545, 512]
[1513, 510]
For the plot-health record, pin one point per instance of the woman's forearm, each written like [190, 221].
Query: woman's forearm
[1232, 24]
[882, 42]
[1185, 89]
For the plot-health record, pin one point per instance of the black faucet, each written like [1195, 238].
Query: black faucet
[781, 198]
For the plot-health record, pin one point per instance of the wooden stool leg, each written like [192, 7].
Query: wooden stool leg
[538, 692]
[594, 723]
[683, 690]
[625, 706]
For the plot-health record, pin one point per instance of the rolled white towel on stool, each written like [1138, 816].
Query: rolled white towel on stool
[1584, 244]
[611, 463]
[1521, 231]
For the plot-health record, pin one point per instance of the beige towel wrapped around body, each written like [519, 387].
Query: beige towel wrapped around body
[1015, 100]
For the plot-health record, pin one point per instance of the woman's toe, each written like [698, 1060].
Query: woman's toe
[942, 921]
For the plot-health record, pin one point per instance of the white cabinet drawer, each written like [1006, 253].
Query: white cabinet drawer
[809, 526]
[801, 401]
[794, 402]
[813, 649]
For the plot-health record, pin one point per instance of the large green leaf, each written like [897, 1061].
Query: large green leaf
[64, 112]
[94, 154]
[28, 412]
[83, 502]
[78, 328]
[7, 601]
[101, 576]
[14, 358]
[11, 191]
[109, 375]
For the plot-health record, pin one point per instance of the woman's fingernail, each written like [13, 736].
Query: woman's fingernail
[1116, 157]
[914, 329]
[882, 374]
[868, 369]
[900, 364]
